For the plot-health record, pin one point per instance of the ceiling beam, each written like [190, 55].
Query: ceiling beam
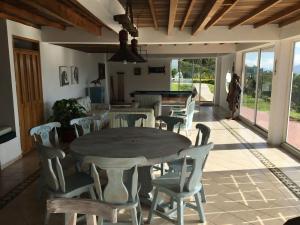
[172, 15]
[227, 6]
[24, 15]
[62, 12]
[152, 9]
[255, 12]
[192, 2]
[289, 20]
[210, 9]
[19, 20]
[283, 13]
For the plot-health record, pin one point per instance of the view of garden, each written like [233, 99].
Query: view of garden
[189, 73]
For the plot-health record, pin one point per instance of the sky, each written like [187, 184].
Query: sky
[267, 59]
[297, 58]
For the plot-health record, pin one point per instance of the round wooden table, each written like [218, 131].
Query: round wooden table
[157, 146]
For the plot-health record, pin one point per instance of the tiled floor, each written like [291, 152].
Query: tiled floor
[240, 189]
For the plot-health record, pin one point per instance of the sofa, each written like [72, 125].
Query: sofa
[149, 101]
[95, 109]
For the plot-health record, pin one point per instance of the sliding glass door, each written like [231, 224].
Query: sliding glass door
[194, 73]
[257, 86]
[293, 129]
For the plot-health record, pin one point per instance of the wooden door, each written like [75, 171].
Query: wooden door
[30, 95]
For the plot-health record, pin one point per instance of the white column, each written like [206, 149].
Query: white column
[280, 91]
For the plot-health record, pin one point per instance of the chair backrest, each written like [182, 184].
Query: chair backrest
[131, 119]
[116, 191]
[189, 115]
[204, 131]
[188, 101]
[41, 134]
[171, 122]
[190, 181]
[90, 208]
[83, 123]
[52, 171]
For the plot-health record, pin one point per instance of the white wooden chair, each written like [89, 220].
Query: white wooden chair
[42, 134]
[121, 189]
[85, 125]
[185, 185]
[87, 207]
[56, 184]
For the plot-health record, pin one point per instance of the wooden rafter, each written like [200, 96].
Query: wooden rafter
[172, 15]
[60, 11]
[283, 13]
[227, 6]
[152, 9]
[289, 20]
[210, 9]
[188, 12]
[25, 16]
[255, 12]
[19, 20]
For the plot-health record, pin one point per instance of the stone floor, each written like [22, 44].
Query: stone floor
[246, 181]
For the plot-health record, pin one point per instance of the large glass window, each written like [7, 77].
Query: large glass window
[257, 86]
[294, 114]
[194, 73]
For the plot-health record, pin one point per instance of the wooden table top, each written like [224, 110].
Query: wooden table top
[154, 144]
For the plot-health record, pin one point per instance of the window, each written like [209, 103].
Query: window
[257, 86]
[294, 112]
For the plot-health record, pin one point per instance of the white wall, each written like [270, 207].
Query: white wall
[144, 82]
[53, 56]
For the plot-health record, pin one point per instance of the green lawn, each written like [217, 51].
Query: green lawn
[182, 87]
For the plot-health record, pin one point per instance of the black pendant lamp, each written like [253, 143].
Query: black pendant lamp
[124, 54]
[134, 50]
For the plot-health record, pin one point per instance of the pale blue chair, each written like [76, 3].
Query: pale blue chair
[55, 183]
[82, 125]
[184, 186]
[130, 120]
[121, 190]
[187, 115]
[171, 122]
[42, 134]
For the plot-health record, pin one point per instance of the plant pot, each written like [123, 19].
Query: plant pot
[67, 134]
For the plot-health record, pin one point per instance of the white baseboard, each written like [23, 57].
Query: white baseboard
[2, 167]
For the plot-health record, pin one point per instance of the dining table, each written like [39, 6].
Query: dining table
[156, 145]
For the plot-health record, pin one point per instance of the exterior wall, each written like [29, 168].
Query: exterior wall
[144, 82]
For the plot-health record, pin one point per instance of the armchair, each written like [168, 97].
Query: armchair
[149, 101]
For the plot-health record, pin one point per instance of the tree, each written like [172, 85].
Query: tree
[174, 72]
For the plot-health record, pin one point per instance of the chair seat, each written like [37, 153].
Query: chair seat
[77, 180]
[169, 183]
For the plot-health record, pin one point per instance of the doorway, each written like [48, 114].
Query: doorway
[194, 73]
[29, 88]
[257, 86]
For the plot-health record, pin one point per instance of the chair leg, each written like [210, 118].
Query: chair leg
[153, 206]
[180, 217]
[140, 212]
[200, 208]
[134, 216]
[47, 217]
[162, 170]
[202, 192]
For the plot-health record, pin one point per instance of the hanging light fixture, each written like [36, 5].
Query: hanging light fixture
[124, 54]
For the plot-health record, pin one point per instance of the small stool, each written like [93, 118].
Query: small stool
[294, 221]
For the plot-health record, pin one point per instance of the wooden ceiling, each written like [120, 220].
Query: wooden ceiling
[202, 14]
[54, 13]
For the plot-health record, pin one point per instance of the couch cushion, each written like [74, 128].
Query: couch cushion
[5, 130]
[85, 102]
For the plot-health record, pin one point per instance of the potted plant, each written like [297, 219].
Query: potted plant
[64, 111]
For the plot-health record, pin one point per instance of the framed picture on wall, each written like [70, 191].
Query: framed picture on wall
[156, 70]
[64, 76]
[74, 75]
[137, 71]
